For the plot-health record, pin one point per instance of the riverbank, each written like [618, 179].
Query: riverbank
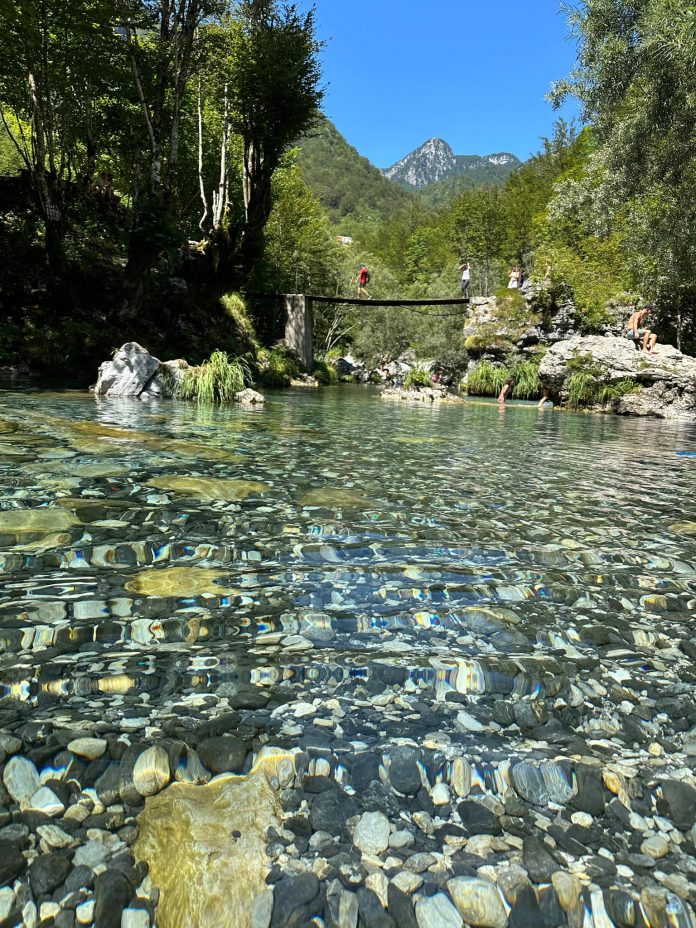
[469, 724]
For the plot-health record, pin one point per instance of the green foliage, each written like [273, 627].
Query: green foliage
[277, 368]
[352, 191]
[237, 310]
[476, 173]
[588, 384]
[10, 160]
[527, 385]
[487, 379]
[636, 81]
[582, 389]
[614, 391]
[216, 381]
[416, 378]
[325, 374]
[301, 253]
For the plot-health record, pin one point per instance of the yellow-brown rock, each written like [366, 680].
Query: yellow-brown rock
[206, 877]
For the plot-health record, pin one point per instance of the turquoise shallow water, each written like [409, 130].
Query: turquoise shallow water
[148, 548]
[468, 630]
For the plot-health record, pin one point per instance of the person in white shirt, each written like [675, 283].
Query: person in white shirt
[465, 268]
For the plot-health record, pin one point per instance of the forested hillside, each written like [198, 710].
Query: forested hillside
[352, 190]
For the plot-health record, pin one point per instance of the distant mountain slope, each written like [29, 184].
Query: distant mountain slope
[434, 162]
[347, 184]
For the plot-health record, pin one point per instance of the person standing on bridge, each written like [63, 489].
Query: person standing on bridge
[363, 281]
[465, 268]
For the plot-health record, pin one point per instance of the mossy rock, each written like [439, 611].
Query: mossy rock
[180, 582]
[335, 498]
[23, 522]
[209, 488]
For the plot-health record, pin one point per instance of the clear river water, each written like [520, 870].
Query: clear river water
[503, 585]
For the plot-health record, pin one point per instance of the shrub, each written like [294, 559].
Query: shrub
[417, 378]
[277, 368]
[487, 379]
[614, 391]
[325, 374]
[215, 381]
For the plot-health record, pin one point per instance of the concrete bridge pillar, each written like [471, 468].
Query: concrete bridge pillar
[299, 328]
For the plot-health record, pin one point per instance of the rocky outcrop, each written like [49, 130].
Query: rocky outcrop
[167, 380]
[665, 381]
[427, 395]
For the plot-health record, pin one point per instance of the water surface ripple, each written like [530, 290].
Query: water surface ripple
[469, 558]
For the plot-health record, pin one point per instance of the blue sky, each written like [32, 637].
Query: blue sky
[473, 72]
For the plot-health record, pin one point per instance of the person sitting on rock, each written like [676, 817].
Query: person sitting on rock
[637, 330]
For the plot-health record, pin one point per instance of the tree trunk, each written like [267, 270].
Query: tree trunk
[201, 180]
[220, 199]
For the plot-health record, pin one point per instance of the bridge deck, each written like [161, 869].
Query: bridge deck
[353, 301]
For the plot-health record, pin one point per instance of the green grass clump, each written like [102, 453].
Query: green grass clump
[417, 378]
[527, 385]
[325, 374]
[614, 391]
[582, 389]
[217, 380]
[487, 379]
[585, 390]
[277, 368]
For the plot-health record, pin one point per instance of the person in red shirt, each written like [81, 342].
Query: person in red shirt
[363, 281]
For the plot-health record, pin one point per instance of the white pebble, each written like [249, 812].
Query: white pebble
[45, 800]
[21, 779]
[84, 913]
[440, 794]
[135, 918]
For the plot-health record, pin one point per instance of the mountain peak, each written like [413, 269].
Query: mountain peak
[435, 160]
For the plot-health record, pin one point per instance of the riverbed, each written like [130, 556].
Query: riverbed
[470, 628]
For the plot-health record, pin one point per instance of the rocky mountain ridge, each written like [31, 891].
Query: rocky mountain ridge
[435, 161]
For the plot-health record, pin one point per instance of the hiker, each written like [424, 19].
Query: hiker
[465, 268]
[514, 278]
[637, 330]
[363, 281]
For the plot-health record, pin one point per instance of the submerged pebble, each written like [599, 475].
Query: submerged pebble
[451, 689]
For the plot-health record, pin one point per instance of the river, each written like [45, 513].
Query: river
[459, 612]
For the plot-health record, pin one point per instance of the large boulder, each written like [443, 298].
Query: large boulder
[167, 380]
[665, 380]
[128, 373]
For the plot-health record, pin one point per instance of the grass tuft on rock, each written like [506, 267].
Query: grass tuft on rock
[217, 380]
